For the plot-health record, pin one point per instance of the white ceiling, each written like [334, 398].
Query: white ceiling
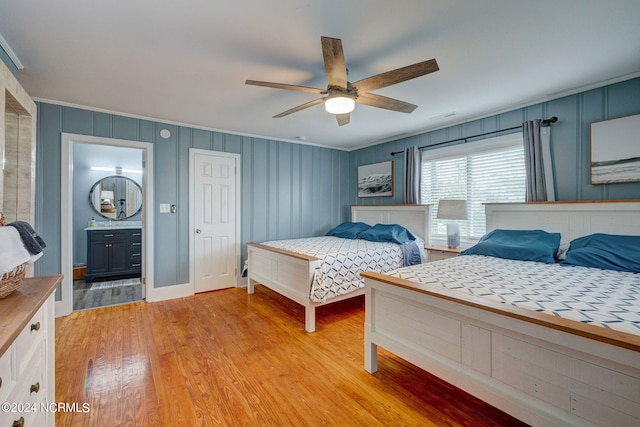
[187, 61]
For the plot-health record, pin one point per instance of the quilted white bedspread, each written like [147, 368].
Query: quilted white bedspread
[606, 298]
[342, 262]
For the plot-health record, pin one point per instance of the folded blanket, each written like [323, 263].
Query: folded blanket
[411, 253]
[32, 241]
[12, 250]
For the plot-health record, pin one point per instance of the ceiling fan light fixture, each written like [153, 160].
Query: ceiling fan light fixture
[339, 104]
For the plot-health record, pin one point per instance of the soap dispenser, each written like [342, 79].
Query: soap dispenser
[92, 223]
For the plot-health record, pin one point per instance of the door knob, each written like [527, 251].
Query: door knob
[198, 231]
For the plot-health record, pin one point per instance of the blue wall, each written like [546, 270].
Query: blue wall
[570, 142]
[288, 190]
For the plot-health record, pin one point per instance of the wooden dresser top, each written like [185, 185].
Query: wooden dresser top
[21, 305]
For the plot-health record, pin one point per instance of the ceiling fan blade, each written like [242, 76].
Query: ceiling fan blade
[334, 62]
[379, 101]
[300, 107]
[396, 76]
[286, 86]
[343, 119]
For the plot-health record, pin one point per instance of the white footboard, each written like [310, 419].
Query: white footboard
[540, 375]
[288, 274]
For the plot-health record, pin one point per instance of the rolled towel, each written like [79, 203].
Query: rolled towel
[32, 241]
[12, 250]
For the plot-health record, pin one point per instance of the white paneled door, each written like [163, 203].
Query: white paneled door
[215, 221]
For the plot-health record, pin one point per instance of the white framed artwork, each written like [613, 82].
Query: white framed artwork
[615, 150]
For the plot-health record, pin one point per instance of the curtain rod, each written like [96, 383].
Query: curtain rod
[544, 122]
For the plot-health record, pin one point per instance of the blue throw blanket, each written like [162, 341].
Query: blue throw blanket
[410, 253]
[31, 240]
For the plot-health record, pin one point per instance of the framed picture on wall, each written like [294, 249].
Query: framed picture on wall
[375, 180]
[615, 150]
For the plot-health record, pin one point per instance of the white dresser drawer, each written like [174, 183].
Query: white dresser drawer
[33, 384]
[29, 339]
[7, 374]
[29, 392]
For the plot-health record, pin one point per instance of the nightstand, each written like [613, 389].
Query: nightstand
[436, 253]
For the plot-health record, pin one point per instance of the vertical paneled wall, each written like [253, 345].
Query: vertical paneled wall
[288, 190]
[570, 142]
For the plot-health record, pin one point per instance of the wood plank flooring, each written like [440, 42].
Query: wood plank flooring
[226, 358]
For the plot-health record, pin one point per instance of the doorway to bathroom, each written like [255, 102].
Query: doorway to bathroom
[106, 243]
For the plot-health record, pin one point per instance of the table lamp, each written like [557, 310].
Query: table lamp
[454, 210]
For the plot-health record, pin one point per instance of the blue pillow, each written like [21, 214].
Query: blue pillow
[606, 251]
[348, 230]
[524, 245]
[393, 233]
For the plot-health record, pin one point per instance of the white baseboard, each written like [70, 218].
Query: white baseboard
[170, 292]
[61, 309]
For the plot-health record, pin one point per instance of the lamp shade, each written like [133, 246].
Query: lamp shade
[339, 104]
[452, 209]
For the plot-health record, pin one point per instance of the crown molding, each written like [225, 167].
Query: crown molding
[12, 55]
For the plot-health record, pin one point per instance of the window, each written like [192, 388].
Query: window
[490, 170]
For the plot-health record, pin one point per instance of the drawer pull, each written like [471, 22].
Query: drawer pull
[35, 387]
[18, 423]
[135, 244]
[35, 326]
[135, 265]
[108, 235]
[136, 234]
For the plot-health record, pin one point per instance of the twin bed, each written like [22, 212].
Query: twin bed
[323, 270]
[546, 343]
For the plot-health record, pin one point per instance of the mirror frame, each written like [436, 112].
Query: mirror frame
[97, 211]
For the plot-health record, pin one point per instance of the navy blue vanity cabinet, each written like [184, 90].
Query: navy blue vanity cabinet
[135, 250]
[113, 253]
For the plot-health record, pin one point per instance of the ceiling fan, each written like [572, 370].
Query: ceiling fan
[342, 95]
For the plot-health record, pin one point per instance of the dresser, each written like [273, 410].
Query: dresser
[27, 357]
[113, 252]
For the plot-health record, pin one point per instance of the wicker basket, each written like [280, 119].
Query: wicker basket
[12, 280]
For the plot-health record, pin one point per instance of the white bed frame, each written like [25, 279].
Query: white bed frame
[539, 368]
[290, 274]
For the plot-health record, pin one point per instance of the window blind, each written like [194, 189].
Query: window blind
[478, 176]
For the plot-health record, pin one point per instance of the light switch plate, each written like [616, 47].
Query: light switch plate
[165, 208]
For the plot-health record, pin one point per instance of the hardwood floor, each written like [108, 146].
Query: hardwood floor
[228, 358]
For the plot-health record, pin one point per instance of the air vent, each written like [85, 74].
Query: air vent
[443, 116]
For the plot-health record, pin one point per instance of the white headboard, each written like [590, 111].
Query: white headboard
[570, 219]
[414, 218]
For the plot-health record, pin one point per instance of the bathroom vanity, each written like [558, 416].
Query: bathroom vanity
[114, 252]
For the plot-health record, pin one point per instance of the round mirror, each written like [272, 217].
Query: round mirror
[116, 197]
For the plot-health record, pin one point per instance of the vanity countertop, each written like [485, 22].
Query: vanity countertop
[115, 225]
